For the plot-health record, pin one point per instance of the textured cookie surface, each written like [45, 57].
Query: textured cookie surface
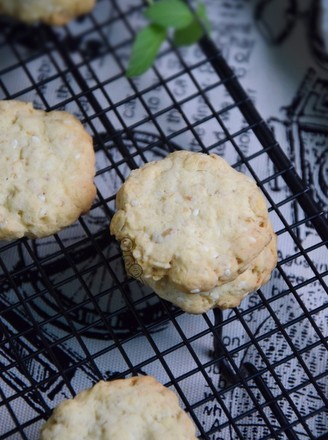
[53, 12]
[46, 171]
[192, 220]
[138, 408]
[227, 295]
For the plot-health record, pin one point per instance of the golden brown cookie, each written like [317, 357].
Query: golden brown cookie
[46, 171]
[227, 295]
[191, 220]
[139, 408]
[52, 12]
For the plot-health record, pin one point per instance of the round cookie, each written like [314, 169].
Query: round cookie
[139, 408]
[193, 221]
[46, 172]
[227, 295]
[52, 12]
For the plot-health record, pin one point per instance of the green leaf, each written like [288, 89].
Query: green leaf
[202, 15]
[194, 31]
[145, 49]
[188, 35]
[170, 13]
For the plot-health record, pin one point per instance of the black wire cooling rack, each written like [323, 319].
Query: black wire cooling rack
[69, 314]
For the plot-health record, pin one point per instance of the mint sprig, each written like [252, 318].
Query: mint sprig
[169, 13]
[145, 49]
[194, 31]
[165, 15]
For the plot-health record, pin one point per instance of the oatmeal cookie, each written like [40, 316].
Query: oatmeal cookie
[193, 221]
[47, 170]
[52, 12]
[139, 408]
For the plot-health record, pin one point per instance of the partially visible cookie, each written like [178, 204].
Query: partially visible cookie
[47, 165]
[192, 220]
[227, 295]
[139, 408]
[52, 12]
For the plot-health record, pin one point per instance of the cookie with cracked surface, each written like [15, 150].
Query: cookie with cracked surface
[138, 408]
[192, 220]
[47, 170]
[52, 12]
[227, 295]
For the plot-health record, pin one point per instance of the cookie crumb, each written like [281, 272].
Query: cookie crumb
[227, 272]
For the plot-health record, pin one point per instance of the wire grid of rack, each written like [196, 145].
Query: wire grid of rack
[69, 314]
